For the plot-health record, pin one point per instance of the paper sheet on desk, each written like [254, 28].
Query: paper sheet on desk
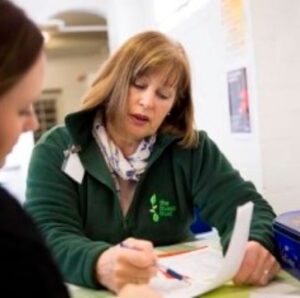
[207, 267]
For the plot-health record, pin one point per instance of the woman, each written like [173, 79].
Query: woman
[129, 167]
[27, 267]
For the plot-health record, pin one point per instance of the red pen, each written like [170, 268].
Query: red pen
[163, 254]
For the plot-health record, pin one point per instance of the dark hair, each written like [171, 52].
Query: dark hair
[20, 44]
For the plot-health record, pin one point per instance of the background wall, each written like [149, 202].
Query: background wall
[202, 33]
[262, 36]
[73, 58]
[71, 74]
[219, 36]
[41, 11]
[276, 39]
[268, 155]
[127, 17]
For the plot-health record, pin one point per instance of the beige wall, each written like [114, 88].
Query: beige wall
[269, 156]
[71, 75]
[276, 34]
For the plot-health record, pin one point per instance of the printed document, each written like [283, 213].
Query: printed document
[206, 267]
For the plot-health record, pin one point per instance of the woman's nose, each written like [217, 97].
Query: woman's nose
[146, 99]
[31, 124]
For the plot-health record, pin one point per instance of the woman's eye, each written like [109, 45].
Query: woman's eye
[26, 112]
[165, 93]
[163, 96]
[139, 85]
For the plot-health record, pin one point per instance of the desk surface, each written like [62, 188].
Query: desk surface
[283, 284]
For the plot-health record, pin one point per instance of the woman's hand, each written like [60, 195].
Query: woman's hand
[118, 266]
[138, 291]
[258, 267]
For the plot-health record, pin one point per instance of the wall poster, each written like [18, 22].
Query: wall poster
[238, 101]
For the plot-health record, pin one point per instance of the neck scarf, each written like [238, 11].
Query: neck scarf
[128, 168]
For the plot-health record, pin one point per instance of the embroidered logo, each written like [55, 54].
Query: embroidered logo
[160, 208]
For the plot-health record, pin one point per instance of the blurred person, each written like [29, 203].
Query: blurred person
[27, 267]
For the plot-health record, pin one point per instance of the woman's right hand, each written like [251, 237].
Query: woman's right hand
[133, 264]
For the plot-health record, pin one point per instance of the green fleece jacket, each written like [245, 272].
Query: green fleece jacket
[81, 220]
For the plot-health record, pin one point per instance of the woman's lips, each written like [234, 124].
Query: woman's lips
[139, 119]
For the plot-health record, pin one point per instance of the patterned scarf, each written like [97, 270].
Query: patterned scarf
[128, 168]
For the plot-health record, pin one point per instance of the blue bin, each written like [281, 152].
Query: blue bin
[199, 226]
[287, 237]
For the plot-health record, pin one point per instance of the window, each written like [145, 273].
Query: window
[46, 111]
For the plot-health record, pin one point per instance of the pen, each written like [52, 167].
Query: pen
[170, 273]
[167, 272]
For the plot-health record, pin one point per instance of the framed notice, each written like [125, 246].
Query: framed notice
[238, 101]
[234, 27]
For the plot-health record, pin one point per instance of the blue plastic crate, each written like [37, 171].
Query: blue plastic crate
[287, 236]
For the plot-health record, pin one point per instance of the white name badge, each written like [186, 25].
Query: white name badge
[73, 167]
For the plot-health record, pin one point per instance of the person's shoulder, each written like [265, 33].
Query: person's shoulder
[13, 218]
[202, 146]
[202, 136]
[56, 131]
[7, 201]
[170, 141]
[57, 135]
[201, 139]
[206, 143]
[22, 243]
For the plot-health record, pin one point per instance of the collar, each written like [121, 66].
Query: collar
[80, 125]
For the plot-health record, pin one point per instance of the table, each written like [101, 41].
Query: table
[284, 284]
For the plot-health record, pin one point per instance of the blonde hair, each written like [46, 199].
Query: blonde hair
[143, 53]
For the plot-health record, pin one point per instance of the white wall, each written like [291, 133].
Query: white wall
[269, 154]
[276, 33]
[41, 11]
[71, 75]
[200, 29]
[127, 17]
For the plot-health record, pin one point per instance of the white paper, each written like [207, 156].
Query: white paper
[73, 167]
[207, 267]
